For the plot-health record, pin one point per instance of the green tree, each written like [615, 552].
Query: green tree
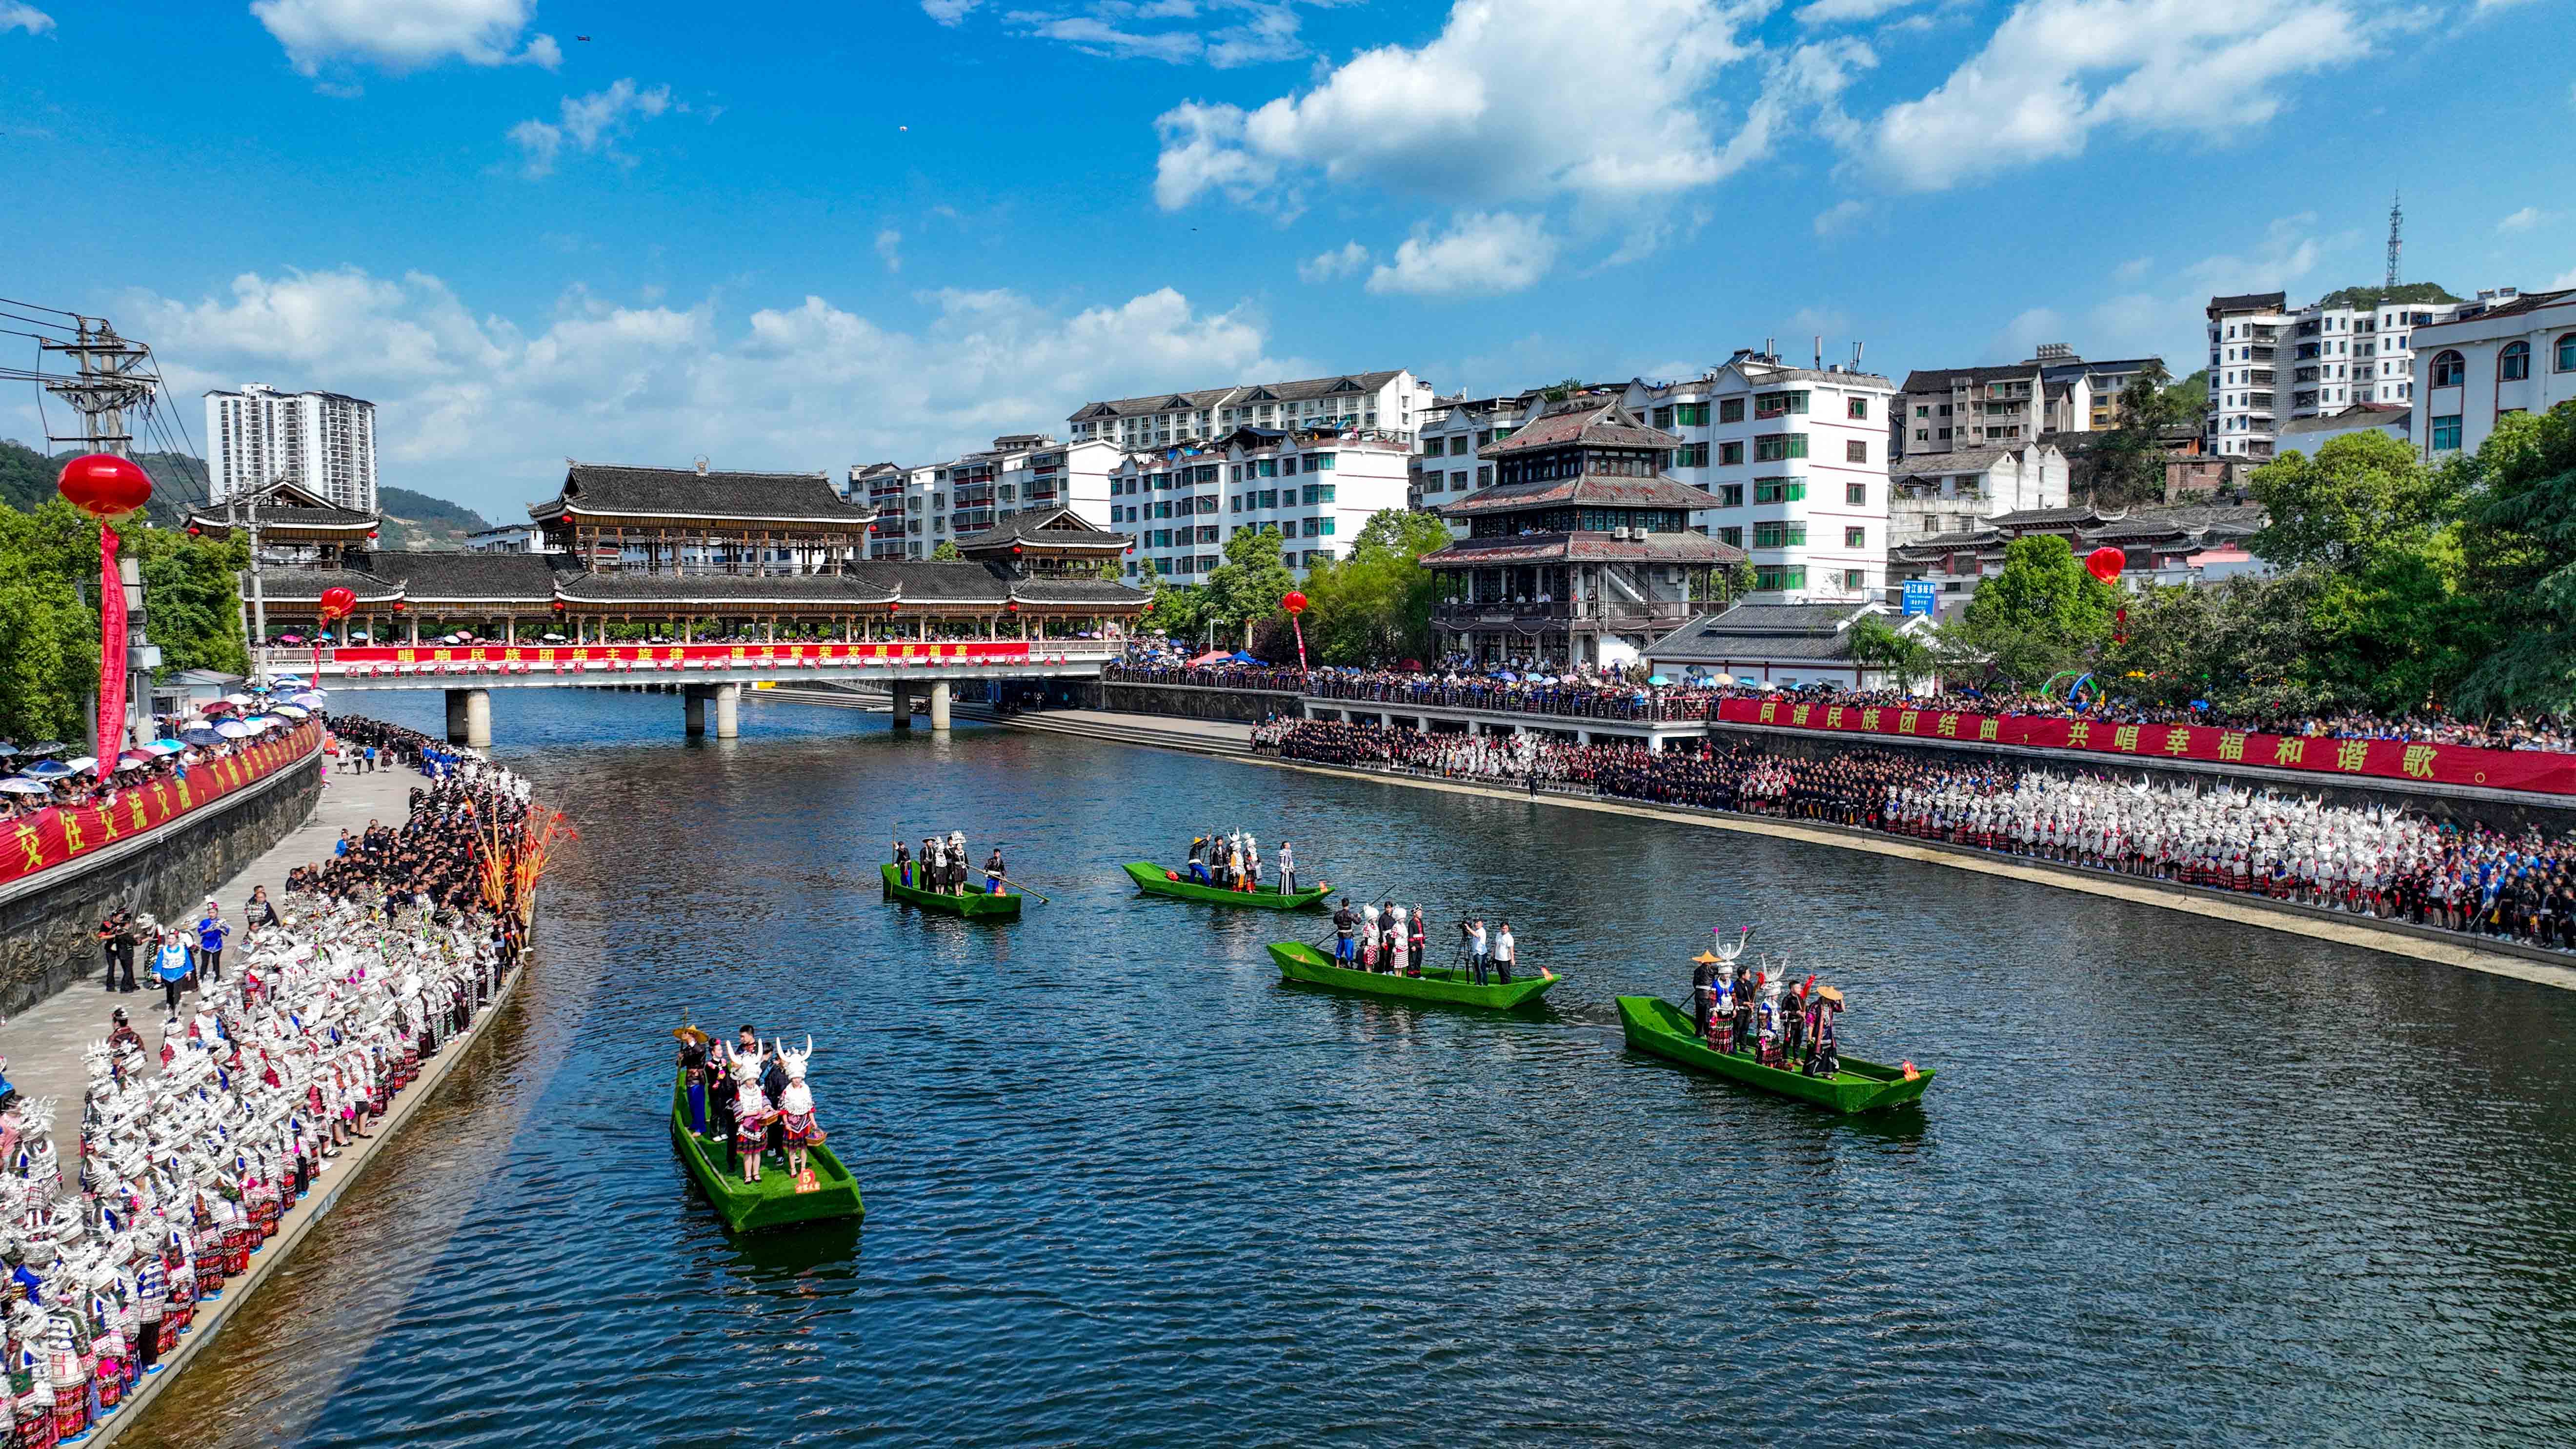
[2040, 614]
[1251, 581]
[1875, 645]
[1375, 606]
[1113, 572]
[2521, 537]
[946, 552]
[2362, 497]
[192, 598]
[2127, 464]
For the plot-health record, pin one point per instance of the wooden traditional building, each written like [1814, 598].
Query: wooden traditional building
[678, 520]
[298, 528]
[1581, 552]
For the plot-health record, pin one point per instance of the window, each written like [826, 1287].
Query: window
[1458, 482]
[1730, 410]
[1855, 538]
[1485, 475]
[1730, 495]
[1773, 447]
[2566, 357]
[1779, 490]
[1777, 576]
[1435, 483]
[1322, 462]
[1691, 415]
[2514, 363]
[1922, 410]
[1237, 501]
[1856, 407]
[1856, 451]
[1730, 453]
[1163, 509]
[1663, 417]
[1855, 579]
[1288, 467]
[1856, 494]
[1691, 455]
[2450, 369]
[1458, 446]
[2446, 433]
[1731, 537]
[1779, 535]
[1328, 525]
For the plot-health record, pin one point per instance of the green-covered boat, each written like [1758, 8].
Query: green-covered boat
[1149, 879]
[1301, 962]
[772, 1202]
[975, 904]
[1660, 1027]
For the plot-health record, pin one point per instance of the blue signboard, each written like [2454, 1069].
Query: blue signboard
[1919, 597]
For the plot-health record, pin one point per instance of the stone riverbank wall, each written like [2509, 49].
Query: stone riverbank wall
[49, 921]
[1192, 701]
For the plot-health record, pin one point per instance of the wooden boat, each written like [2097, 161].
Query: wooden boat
[1149, 879]
[974, 904]
[772, 1202]
[1664, 1029]
[1301, 962]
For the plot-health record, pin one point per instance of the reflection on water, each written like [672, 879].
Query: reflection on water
[2179, 1182]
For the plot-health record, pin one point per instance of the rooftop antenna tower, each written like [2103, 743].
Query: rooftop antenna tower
[2396, 244]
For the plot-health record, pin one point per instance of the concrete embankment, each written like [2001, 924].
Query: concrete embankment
[2396, 938]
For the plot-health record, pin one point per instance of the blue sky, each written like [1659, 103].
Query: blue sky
[806, 236]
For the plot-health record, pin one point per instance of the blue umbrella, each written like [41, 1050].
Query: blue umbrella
[48, 770]
[201, 737]
[172, 744]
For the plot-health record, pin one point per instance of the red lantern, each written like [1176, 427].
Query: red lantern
[2105, 563]
[1015, 548]
[194, 531]
[104, 485]
[337, 600]
[400, 606]
[1295, 603]
[1013, 606]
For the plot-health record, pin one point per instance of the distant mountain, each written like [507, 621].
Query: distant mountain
[417, 523]
[2358, 297]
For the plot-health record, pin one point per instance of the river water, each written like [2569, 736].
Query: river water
[2179, 1181]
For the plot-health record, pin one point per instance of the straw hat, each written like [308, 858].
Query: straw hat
[1703, 959]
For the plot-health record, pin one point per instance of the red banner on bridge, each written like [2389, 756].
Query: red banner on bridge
[55, 836]
[2536, 770]
[730, 656]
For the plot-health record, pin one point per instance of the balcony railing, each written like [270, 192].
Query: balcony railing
[1591, 611]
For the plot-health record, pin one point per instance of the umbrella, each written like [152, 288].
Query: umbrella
[123, 765]
[1721, 679]
[7, 750]
[279, 681]
[49, 747]
[233, 729]
[81, 766]
[1657, 679]
[551, 638]
[238, 701]
[134, 756]
[290, 638]
[168, 746]
[291, 711]
[203, 735]
[25, 787]
[309, 699]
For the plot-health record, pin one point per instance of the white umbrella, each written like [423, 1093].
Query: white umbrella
[233, 729]
[82, 765]
[132, 764]
[239, 701]
[309, 699]
[1721, 679]
[25, 787]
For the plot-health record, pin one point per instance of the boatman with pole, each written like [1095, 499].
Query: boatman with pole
[1287, 868]
[993, 872]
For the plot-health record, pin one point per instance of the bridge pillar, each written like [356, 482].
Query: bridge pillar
[693, 708]
[728, 707]
[900, 692]
[469, 718]
[939, 692]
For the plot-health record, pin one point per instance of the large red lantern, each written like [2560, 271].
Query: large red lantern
[104, 485]
[1295, 603]
[2105, 563]
[337, 600]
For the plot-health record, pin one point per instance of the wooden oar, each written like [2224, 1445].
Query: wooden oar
[1024, 890]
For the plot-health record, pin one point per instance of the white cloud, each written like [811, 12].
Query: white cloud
[949, 12]
[1839, 217]
[2562, 281]
[2021, 336]
[2132, 269]
[1222, 34]
[406, 35]
[482, 408]
[890, 249]
[15, 15]
[2289, 252]
[591, 124]
[1345, 262]
[1514, 100]
[2057, 70]
[1838, 12]
[1482, 254]
[2523, 220]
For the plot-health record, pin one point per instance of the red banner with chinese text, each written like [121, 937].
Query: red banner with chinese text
[2535, 770]
[55, 836]
[740, 656]
[111, 653]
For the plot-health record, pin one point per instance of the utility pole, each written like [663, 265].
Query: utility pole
[112, 378]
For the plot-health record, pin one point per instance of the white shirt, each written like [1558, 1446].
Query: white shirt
[1476, 941]
[1503, 945]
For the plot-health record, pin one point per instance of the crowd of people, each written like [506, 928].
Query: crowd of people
[942, 866]
[30, 795]
[1758, 1015]
[752, 1099]
[1232, 862]
[285, 1040]
[2373, 860]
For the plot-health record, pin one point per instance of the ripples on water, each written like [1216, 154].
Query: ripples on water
[2179, 1182]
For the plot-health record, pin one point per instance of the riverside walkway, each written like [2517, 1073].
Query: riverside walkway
[44, 1043]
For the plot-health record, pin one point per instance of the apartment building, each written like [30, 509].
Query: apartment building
[2269, 361]
[1796, 458]
[2506, 352]
[1956, 492]
[1317, 487]
[2053, 391]
[322, 442]
[1392, 403]
[919, 508]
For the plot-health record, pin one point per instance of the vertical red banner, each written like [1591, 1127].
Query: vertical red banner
[111, 655]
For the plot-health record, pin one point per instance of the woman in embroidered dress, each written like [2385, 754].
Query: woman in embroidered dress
[797, 1128]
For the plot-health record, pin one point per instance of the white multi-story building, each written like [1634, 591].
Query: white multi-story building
[507, 538]
[1797, 459]
[323, 442]
[1445, 465]
[1317, 488]
[1369, 402]
[2506, 352]
[922, 507]
[1954, 492]
[2269, 361]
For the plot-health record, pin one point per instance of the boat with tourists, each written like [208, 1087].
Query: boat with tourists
[939, 880]
[1300, 962]
[735, 1108]
[971, 901]
[1154, 880]
[777, 1199]
[1758, 1031]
